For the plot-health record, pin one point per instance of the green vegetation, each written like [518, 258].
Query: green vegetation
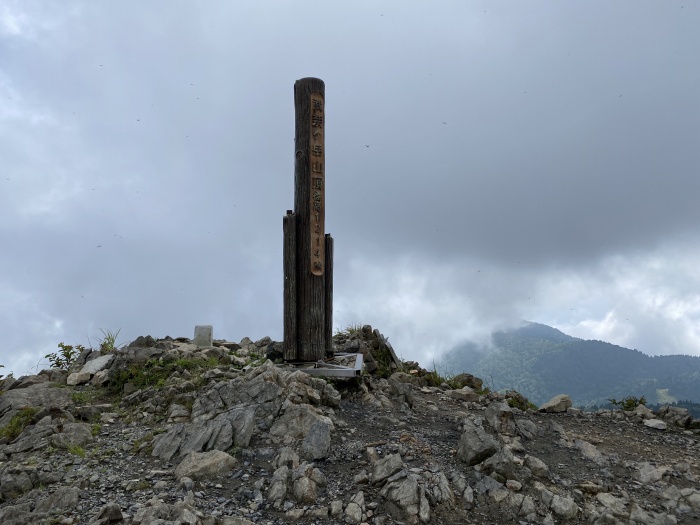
[454, 381]
[81, 397]
[628, 403]
[108, 341]
[515, 399]
[350, 330]
[2, 381]
[76, 450]
[139, 485]
[383, 358]
[96, 428]
[147, 438]
[18, 423]
[434, 378]
[64, 358]
[155, 372]
[541, 362]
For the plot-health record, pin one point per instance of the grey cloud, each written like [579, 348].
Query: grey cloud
[478, 152]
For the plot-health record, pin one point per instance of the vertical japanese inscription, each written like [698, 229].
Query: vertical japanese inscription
[317, 156]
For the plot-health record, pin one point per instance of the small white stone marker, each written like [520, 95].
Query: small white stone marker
[203, 335]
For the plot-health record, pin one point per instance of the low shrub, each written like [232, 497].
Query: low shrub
[628, 403]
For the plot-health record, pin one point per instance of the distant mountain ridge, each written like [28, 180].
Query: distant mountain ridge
[540, 362]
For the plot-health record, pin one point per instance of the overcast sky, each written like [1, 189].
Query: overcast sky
[486, 162]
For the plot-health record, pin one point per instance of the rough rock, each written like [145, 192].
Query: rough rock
[386, 467]
[317, 442]
[297, 422]
[198, 465]
[306, 480]
[78, 378]
[99, 363]
[643, 412]
[500, 417]
[655, 423]
[464, 394]
[469, 380]
[559, 403]
[354, 512]
[41, 394]
[73, 434]
[649, 473]
[408, 495]
[538, 467]
[475, 444]
[62, 499]
[675, 416]
[375, 450]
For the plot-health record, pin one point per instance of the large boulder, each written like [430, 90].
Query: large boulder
[303, 422]
[386, 467]
[408, 494]
[229, 412]
[468, 380]
[232, 428]
[317, 442]
[560, 403]
[675, 416]
[500, 417]
[475, 444]
[99, 363]
[74, 434]
[38, 395]
[63, 499]
[199, 465]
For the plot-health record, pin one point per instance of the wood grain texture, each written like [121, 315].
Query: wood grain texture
[290, 288]
[328, 301]
[308, 312]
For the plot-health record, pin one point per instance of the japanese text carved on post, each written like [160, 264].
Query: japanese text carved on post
[318, 181]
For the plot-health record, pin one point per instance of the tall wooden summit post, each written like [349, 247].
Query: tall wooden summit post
[308, 250]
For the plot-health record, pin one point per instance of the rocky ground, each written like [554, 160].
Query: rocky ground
[164, 432]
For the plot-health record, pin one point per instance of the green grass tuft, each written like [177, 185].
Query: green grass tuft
[18, 423]
[76, 450]
[154, 373]
[108, 341]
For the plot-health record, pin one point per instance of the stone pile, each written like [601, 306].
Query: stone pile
[166, 432]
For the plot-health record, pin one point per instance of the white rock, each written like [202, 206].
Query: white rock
[100, 363]
[588, 450]
[655, 423]
[198, 465]
[643, 412]
[649, 473]
[78, 378]
[514, 485]
[354, 510]
[558, 403]
[564, 507]
[616, 505]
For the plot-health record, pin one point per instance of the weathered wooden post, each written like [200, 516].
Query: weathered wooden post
[308, 250]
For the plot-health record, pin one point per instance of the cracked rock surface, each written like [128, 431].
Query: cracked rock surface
[243, 441]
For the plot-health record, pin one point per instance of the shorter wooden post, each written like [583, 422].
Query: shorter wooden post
[290, 286]
[328, 299]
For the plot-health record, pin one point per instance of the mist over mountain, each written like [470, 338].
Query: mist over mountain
[540, 362]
